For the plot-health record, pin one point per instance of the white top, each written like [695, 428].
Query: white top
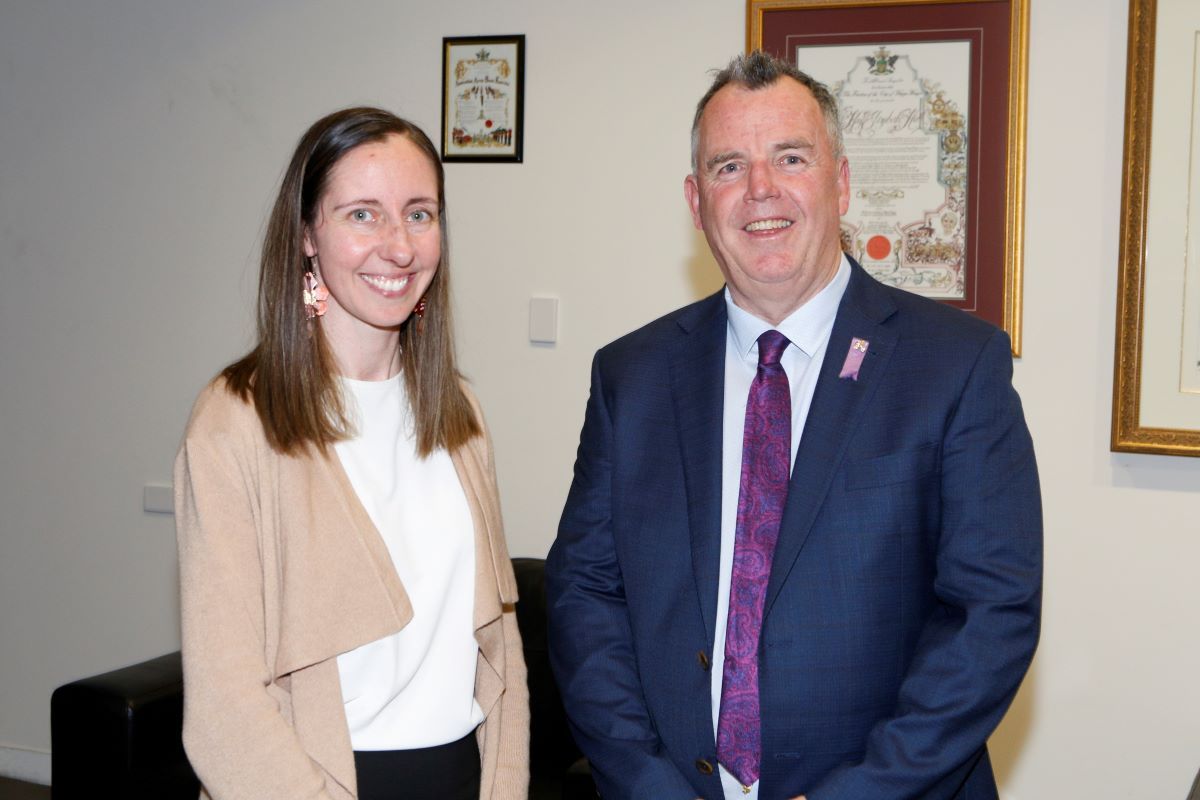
[415, 688]
[808, 329]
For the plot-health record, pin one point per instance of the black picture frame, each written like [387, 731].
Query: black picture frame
[490, 71]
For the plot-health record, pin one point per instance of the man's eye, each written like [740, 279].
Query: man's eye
[728, 168]
[793, 160]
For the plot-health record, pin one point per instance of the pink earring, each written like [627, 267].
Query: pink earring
[315, 296]
[419, 313]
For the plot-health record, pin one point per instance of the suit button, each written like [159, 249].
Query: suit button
[704, 766]
[702, 657]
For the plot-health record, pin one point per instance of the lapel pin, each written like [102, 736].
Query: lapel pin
[854, 358]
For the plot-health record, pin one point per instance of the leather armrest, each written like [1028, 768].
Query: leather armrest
[118, 734]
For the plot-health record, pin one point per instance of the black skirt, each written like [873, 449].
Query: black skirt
[445, 772]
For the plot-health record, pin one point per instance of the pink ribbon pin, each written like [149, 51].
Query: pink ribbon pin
[854, 358]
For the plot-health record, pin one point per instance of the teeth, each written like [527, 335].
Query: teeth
[768, 225]
[386, 284]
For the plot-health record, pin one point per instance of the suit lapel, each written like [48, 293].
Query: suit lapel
[837, 406]
[697, 388]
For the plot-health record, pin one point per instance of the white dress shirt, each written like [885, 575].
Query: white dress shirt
[808, 329]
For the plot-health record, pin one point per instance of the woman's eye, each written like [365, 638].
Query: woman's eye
[362, 215]
[420, 215]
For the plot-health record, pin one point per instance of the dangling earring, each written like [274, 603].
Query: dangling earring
[315, 295]
[419, 313]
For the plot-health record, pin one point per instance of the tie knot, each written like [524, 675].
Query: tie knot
[770, 348]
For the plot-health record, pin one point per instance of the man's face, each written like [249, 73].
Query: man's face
[768, 193]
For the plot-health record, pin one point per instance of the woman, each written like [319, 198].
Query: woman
[347, 597]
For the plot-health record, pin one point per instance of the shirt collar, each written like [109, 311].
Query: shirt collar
[807, 327]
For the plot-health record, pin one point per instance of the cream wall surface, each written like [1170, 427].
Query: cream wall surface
[140, 148]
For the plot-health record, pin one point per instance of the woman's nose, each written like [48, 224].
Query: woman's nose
[396, 245]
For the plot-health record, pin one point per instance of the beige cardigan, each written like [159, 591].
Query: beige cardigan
[281, 570]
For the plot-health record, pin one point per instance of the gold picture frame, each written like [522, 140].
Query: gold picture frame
[1138, 276]
[1000, 164]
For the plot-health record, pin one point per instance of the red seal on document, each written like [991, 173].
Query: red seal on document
[878, 247]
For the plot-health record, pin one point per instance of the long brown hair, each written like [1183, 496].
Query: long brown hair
[291, 374]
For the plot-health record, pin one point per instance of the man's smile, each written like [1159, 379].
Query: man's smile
[767, 225]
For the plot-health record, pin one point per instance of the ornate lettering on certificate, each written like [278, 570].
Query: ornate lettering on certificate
[482, 93]
[905, 126]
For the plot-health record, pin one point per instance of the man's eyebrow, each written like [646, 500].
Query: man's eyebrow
[720, 158]
[794, 144]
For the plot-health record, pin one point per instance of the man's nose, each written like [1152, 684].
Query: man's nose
[760, 182]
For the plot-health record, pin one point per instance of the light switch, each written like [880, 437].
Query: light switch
[543, 320]
[158, 499]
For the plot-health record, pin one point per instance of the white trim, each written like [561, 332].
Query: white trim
[32, 766]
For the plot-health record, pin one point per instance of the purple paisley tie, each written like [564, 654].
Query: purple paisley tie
[766, 451]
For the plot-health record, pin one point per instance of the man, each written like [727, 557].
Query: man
[801, 555]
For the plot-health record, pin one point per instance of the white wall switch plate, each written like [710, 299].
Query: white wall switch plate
[543, 320]
[158, 499]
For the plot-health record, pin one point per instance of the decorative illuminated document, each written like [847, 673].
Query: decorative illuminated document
[482, 94]
[905, 128]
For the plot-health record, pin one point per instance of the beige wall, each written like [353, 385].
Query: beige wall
[139, 148]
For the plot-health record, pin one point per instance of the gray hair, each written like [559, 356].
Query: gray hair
[758, 70]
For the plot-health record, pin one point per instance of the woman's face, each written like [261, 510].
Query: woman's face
[376, 238]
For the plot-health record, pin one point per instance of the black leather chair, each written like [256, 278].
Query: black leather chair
[118, 734]
[556, 767]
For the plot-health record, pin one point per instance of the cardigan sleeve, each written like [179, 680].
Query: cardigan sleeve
[234, 732]
[512, 763]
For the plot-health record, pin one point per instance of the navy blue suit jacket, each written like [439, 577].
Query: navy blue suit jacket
[903, 604]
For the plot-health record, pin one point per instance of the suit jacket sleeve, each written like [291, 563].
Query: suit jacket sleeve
[591, 641]
[977, 646]
[233, 730]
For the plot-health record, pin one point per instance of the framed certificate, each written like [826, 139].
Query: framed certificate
[932, 101]
[1156, 382]
[483, 98]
